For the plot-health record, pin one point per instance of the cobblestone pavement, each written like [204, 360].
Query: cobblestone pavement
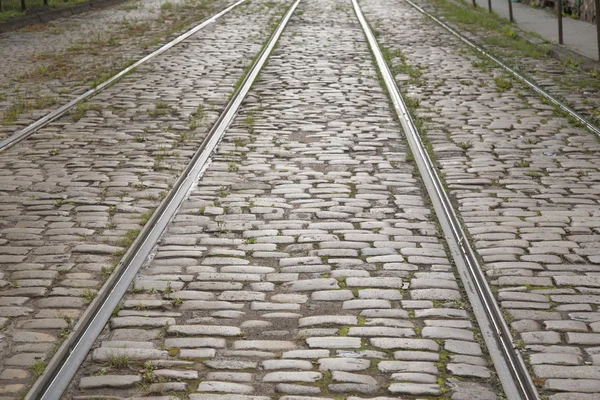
[75, 194]
[526, 184]
[19, 47]
[306, 262]
[47, 65]
[561, 77]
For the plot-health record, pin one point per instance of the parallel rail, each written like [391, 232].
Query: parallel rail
[54, 115]
[65, 363]
[511, 369]
[520, 77]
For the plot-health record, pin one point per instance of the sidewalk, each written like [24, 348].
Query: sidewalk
[579, 36]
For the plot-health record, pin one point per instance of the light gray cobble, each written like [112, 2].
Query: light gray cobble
[511, 167]
[311, 227]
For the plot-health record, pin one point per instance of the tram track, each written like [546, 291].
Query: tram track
[515, 378]
[30, 129]
[73, 351]
[471, 144]
[241, 269]
[553, 100]
[510, 367]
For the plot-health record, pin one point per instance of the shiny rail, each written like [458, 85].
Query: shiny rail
[511, 369]
[59, 112]
[66, 361]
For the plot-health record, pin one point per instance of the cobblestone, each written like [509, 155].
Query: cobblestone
[78, 192]
[523, 182]
[50, 63]
[306, 262]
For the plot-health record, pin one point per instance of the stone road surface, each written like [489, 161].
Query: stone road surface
[561, 77]
[76, 193]
[526, 184]
[19, 47]
[306, 262]
[46, 65]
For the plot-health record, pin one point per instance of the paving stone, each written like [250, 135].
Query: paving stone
[353, 388]
[230, 364]
[288, 204]
[406, 366]
[287, 364]
[109, 381]
[540, 337]
[555, 359]
[263, 345]
[229, 376]
[573, 385]
[461, 369]
[292, 377]
[196, 330]
[405, 344]
[224, 387]
[415, 389]
[347, 377]
[334, 342]
[575, 372]
[311, 284]
[447, 333]
[343, 364]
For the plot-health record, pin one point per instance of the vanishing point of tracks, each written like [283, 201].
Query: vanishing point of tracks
[298, 228]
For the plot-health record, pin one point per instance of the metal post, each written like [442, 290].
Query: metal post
[560, 30]
[598, 26]
[490, 5]
[510, 13]
[23, 5]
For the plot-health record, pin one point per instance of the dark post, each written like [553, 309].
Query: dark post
[560, 31]
[598, 26]
[510, 13]
[474, 3]
[23, 5]
[45, 2]
[490, 5]
[1, 9]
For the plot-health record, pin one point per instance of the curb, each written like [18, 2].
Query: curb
[47, 16]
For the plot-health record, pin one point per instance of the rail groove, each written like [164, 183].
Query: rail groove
[536, 88]
[73, 351]
[511, 369]
[59, 112]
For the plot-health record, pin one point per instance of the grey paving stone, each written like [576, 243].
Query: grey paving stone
[109, 381]
[296, 376]
[224, 387]
[332, 342]
[415, 389]
[343, 364]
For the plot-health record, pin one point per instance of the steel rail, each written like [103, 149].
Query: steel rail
[59, 112]
[511, 369]
[72, 353]
[529, 82]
